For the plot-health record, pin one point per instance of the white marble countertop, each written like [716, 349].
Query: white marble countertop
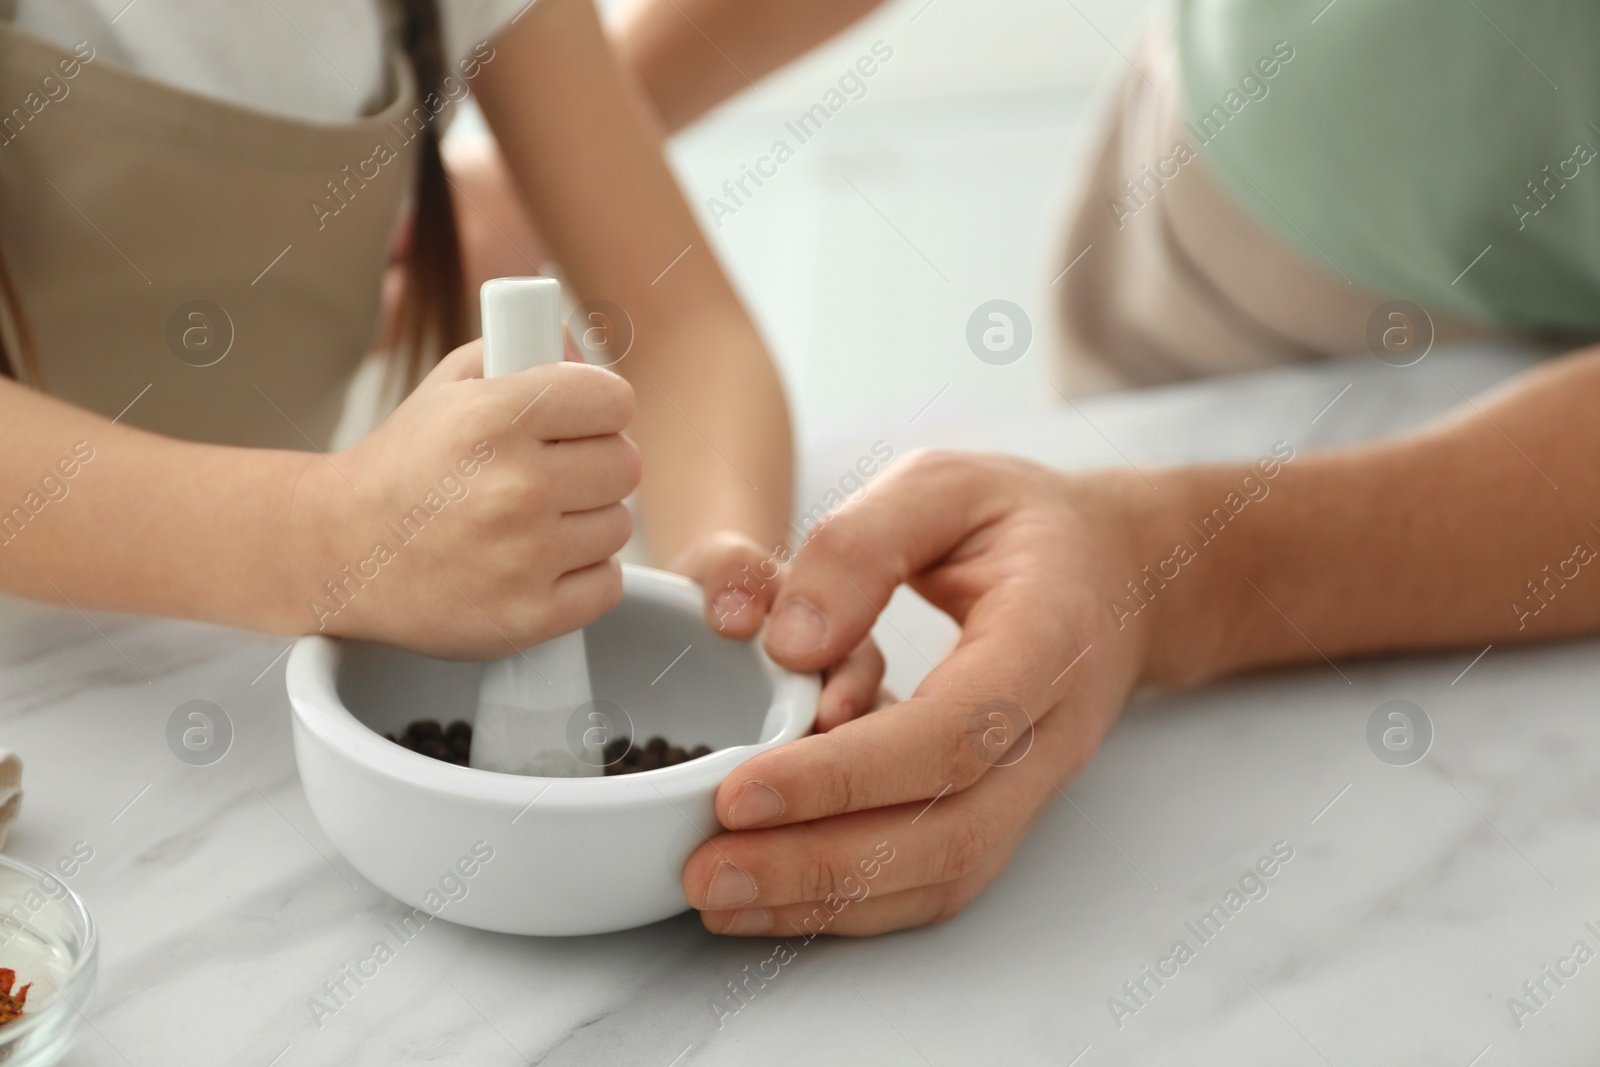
[1418, 899]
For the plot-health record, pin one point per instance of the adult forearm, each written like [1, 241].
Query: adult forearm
[108, 517]
[690, 55]
[1479, 528]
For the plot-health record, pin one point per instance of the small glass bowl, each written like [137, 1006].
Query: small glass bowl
[48, 938]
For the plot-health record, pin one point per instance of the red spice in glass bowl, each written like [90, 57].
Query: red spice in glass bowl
[11, 1004]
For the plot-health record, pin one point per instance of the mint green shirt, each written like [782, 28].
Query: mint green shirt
[1404, 142]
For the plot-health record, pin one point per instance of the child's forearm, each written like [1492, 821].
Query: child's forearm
[714, 430]
[690, 55]
[711, 418]
[107, 517]
[480, 517]
[1481, 528]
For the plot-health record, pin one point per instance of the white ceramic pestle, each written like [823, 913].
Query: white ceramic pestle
[525, 701]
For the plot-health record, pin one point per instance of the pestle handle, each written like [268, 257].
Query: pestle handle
[521, 324]
[525, 700]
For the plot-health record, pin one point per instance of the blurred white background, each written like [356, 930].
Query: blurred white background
[963, 143]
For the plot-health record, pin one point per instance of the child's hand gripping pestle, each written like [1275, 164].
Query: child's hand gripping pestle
[525, 701]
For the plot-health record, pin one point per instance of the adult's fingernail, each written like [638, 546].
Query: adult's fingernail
[730, 887]
[755, 805]
[797, 628]
[744, 921]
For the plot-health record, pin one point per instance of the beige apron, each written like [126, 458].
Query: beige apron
[168, 248]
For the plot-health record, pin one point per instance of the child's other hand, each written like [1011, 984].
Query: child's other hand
[741, 581]
[481, 517]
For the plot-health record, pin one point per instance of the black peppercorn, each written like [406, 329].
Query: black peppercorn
[453, 744]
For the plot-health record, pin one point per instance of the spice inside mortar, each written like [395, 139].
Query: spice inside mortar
[453, 743]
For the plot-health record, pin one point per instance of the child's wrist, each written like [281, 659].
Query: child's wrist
[307, 546]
